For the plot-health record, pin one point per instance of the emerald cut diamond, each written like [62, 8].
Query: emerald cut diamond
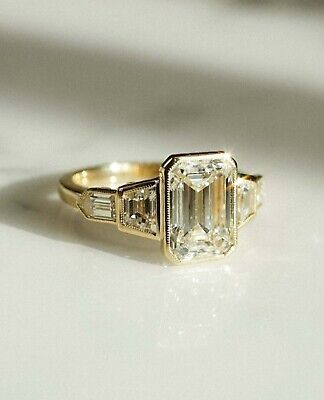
[200, 206]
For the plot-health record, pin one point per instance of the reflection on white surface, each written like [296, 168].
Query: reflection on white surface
[196, 305]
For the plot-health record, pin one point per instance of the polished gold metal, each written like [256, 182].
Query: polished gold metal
[134, 196]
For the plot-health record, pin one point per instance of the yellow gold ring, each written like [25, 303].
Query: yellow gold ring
[193, 203]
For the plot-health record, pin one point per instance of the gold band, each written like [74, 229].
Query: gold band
[110, 176]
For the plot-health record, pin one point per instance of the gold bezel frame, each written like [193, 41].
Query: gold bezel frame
[165, 203]
[88, 193]
[132, 187]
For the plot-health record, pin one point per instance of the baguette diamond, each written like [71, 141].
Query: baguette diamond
[98, 204]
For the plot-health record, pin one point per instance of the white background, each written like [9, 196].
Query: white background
[89, 313]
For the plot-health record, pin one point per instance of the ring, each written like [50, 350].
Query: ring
[193, 203]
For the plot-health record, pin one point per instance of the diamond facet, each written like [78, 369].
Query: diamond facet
[98, 204]
[139, 208]
[246, 199]
[249, 197]
[200, 209]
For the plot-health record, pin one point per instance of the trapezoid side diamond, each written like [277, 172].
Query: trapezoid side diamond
[139, 207]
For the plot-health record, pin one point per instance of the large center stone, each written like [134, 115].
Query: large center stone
[201, 211]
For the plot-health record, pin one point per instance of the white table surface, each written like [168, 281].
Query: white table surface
[90, 313]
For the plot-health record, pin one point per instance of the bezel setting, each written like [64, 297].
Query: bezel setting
[198, 206]
[138, 208]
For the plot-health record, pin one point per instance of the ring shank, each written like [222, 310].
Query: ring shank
[112, 176]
